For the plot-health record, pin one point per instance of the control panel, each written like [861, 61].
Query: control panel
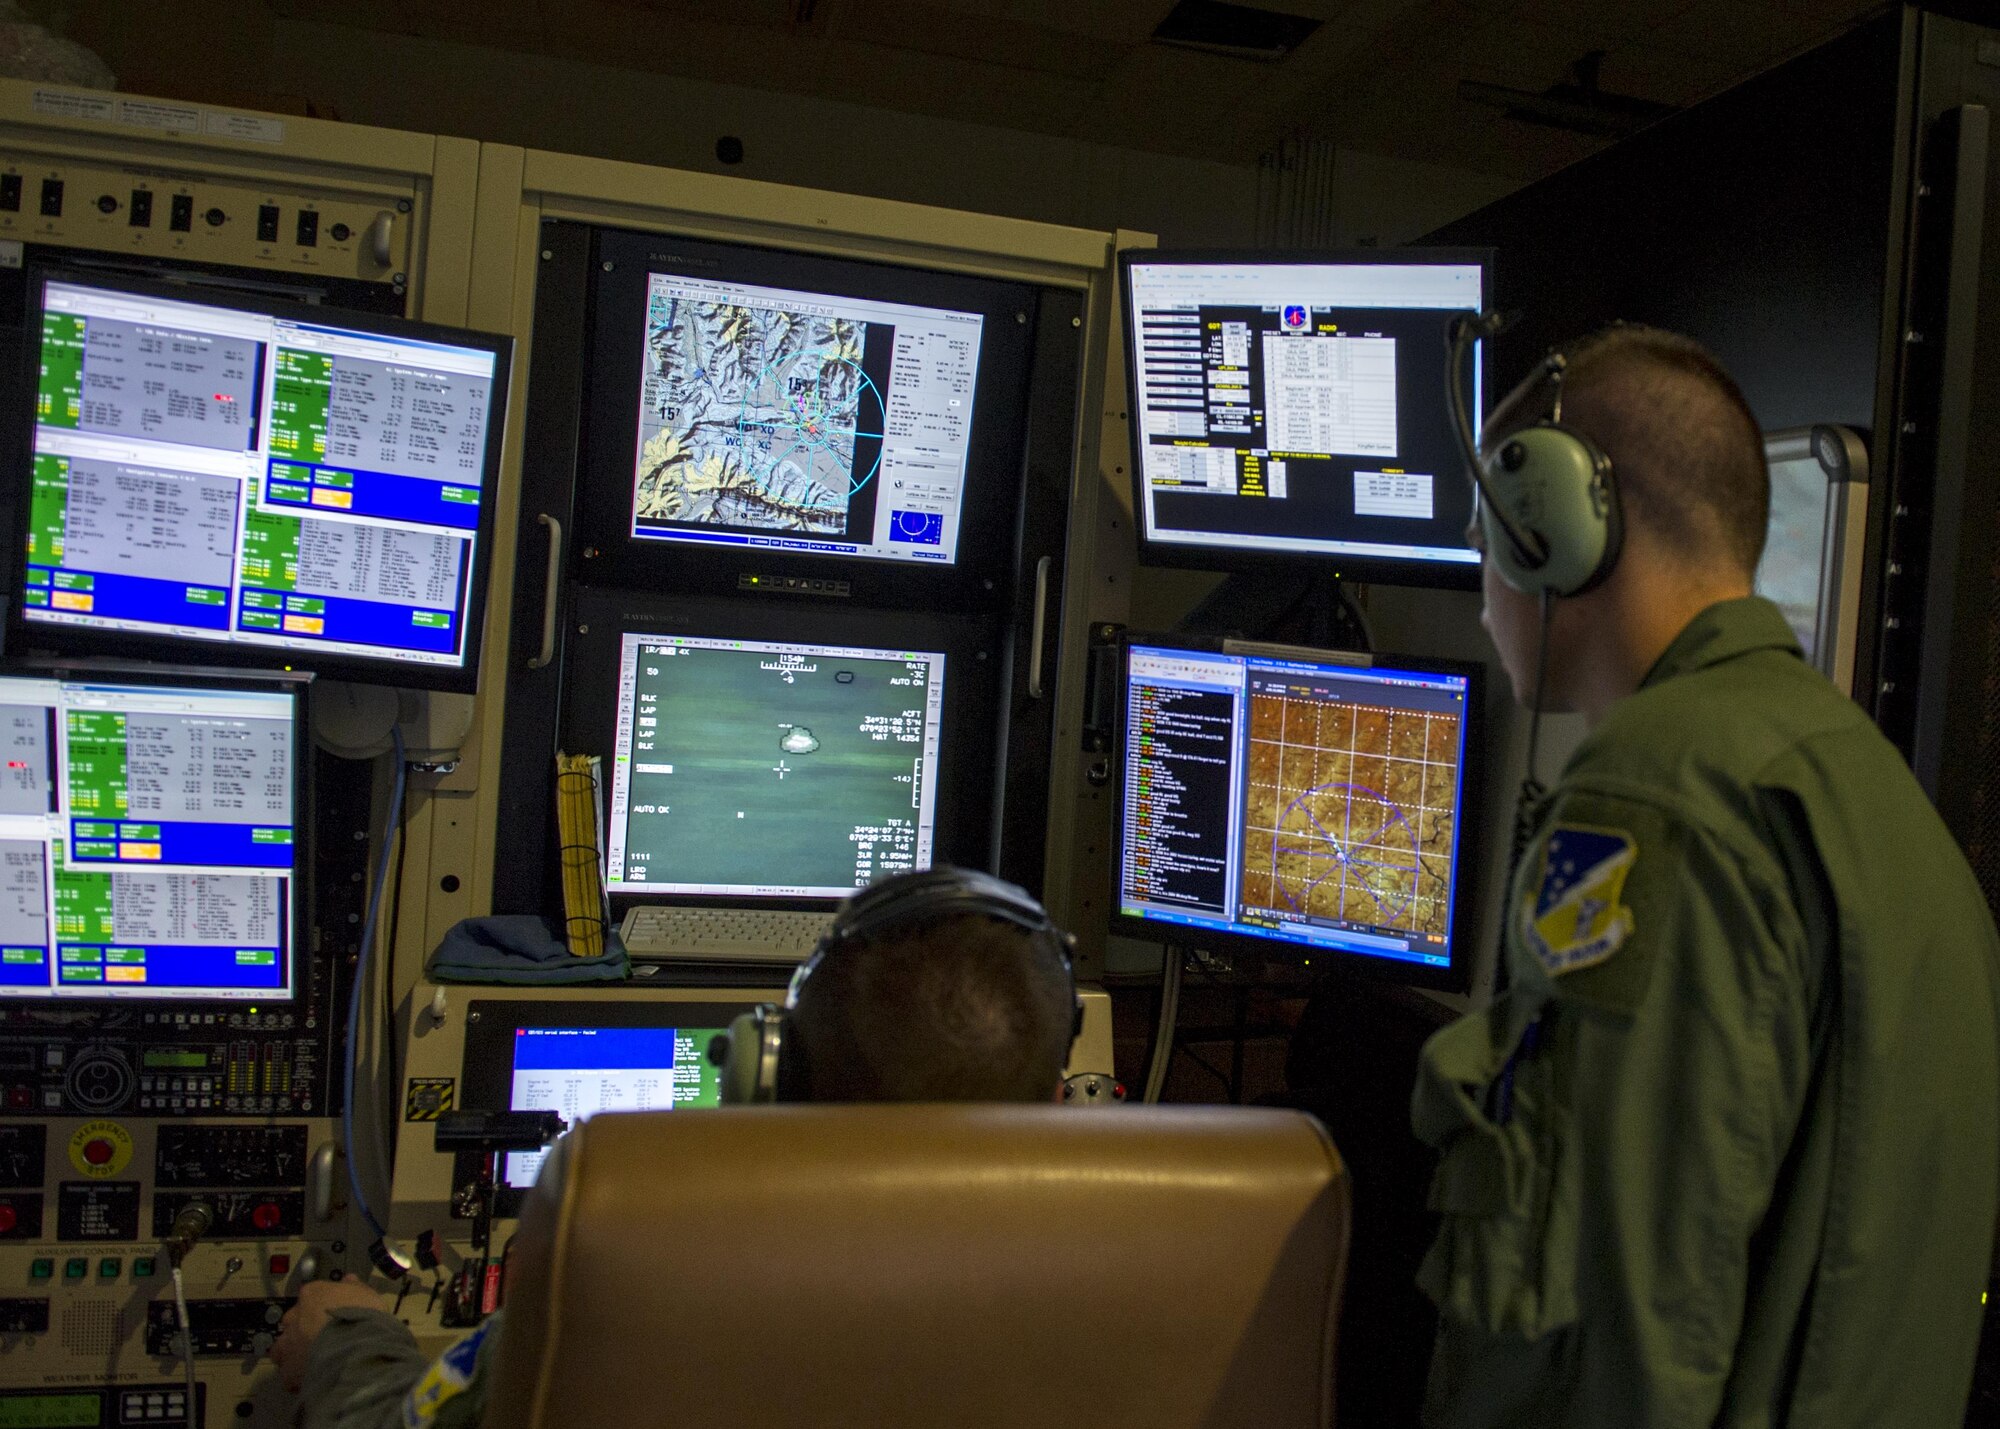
[113, 208]
[204, 1062]
[85, 1204]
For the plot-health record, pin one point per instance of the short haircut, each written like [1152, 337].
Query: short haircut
[957, 1008]
[1683, 442]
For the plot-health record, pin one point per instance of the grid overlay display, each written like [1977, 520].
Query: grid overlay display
[1348, 812]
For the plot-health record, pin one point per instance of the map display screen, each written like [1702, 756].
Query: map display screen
[297, 490]
[1298, 408]
[762, 769]
[1294, 799]
[148, 843]
[790, 420]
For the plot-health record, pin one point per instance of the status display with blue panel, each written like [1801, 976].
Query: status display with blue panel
[147, 839]
[1294, 797]
[259, 479]
[580, 1071]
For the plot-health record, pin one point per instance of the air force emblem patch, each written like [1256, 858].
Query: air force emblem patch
[1574, 918]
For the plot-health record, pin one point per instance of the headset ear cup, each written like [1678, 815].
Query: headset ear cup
[1558, 487]
[756, 1048]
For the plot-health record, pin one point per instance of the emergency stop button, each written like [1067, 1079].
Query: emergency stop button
[265, 1215]
[98, 1152]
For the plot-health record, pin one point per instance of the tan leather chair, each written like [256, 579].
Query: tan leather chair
[942, 1267]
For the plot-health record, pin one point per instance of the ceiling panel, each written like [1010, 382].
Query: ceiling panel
[1379, 75]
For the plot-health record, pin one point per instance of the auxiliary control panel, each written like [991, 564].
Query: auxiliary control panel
[119, 208]
[217, 1061]
[85, 1203]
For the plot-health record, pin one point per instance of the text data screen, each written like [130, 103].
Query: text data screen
[213, 474]
[755, 768]
[148, 841]
[1299, 408]
[581, 1071]
[797, 421]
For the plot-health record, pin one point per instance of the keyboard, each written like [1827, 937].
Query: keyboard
[721, 935]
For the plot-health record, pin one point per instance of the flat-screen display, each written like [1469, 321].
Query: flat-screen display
[747, 414]
[151, 832]
[268, 483]
[1303, 802]
[771, 769]
[581, 1071]
[800, 421]
[1296, 406]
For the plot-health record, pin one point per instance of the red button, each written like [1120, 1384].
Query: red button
[98, 1152]
[266, 1216]
[9, 1218]
[18, 1097]
[281, 1265]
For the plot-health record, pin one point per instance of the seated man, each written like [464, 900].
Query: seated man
[930, 987]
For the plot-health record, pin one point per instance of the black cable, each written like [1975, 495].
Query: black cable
[1532, 552]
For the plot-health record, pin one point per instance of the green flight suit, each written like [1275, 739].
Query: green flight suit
[1727, 1151]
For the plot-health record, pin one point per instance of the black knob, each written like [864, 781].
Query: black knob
[1513, 456]
[107, 204]
[215, 218]
[341, 232]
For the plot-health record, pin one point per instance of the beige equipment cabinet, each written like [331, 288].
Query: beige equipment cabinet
[108, 178]
[449, 862]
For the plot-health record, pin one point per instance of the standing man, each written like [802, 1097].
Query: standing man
[1727, 1150]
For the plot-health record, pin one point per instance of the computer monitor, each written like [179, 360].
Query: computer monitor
[581, 1058]
[1300, 803]
[581, 1071]
[748, 410]
[1287, 406]
[771, 769]
[152, 825]
[265, 482]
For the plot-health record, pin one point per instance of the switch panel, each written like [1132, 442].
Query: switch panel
[85, 204]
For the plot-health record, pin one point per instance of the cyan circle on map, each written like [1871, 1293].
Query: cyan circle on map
[814, 429]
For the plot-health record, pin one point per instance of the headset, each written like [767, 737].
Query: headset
[1547, 497]
[752, 1053]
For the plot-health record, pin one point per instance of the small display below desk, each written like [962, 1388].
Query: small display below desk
[580, 1057]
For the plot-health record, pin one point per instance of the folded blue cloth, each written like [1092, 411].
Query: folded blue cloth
[521, 948]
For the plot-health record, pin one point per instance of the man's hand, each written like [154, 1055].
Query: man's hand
[304, 1321]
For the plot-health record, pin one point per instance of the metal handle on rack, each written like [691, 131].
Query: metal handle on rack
[319, 1183]
[550, 586]
[381, 239]
[1040, 627]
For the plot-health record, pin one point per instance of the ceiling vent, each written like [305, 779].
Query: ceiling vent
[1239, 31]
[1578, 103]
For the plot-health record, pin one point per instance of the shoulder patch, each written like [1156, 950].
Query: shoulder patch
[1574, 917]
[448, 1378]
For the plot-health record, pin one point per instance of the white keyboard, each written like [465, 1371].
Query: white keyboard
[728, 935]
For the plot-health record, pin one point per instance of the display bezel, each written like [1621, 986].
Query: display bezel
[1196, 555]
[1456, 975]
[297, 684]
[608, 422]
[62, 640]
[962, 831]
